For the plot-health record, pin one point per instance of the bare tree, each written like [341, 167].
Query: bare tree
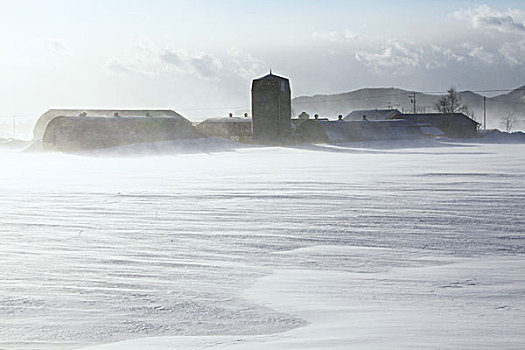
[508, 122]
[452, 103]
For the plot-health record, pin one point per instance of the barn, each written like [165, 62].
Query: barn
[326, 131]
[92, 129]
[234, 128]
[455, 125]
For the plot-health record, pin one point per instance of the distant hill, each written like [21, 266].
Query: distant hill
[381, 98]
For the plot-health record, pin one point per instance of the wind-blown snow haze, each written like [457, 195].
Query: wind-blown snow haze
[316, 246]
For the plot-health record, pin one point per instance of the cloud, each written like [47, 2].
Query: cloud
[439, 56]
[485, 17]
[203, 64]
[244, 64]
[56, 45]
[499, 24]
[514, 53]
[206, 65]
[394, 54]
[335, 36]
[116, 67]
[479, 52]
[146, 58]
[397, 56]
[139, 58]
[172, 57]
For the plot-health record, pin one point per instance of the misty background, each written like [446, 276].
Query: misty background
[199, 57]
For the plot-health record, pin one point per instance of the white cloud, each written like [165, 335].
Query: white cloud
[206, 65]
[202, 64]
[394, 54]
[447, 53]
[397, 56]
[244, 64]
[140, 58]
[479, 52]
[335, 36]
[485, 17]
[146, 58]
[439, 56]
[57, 45]
[514, 53]
[172, 57]
[503, 27]
[117, 67]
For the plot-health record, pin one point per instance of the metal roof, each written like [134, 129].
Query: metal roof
[284, 82]
[433, 118]
[228, 120]
[342, 131]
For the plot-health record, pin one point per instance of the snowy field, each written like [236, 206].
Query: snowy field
[356, 246]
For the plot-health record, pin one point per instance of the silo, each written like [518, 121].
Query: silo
[271, 109]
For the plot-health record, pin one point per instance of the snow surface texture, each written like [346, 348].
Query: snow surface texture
[318, 247]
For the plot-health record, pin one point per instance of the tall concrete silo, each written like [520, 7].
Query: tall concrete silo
[271, 109]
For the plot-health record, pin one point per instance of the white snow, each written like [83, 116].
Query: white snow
[366, 246]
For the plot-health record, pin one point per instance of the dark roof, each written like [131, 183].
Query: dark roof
[372, 114]
[228, 120]
[342, 131]
[271, 76]
[284, 82]
[432, 118]
[107, 113]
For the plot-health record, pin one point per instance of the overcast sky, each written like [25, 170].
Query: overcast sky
[199, 57]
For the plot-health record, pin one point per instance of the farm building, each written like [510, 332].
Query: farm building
[371, 114]
[303, 116]
[455, 125]
[89, 130]
[41, 124]
[364, 130]
[271, 109]
[234, 128]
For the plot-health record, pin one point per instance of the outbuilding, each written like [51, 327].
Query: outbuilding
[92, 129]
[233, 128]
[327, 131]
[271, 109]
[41, 124]
[455, 125]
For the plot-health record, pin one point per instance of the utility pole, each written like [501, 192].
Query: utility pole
[484, 112]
